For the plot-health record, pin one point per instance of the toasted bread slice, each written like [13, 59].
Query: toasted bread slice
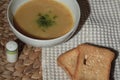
[94, 63]
[68, 61]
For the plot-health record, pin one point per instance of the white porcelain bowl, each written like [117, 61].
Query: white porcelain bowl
[71, 4]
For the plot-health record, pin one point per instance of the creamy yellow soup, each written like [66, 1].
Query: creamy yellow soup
[43, 19]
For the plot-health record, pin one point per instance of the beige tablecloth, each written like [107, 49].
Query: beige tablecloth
[100, 25]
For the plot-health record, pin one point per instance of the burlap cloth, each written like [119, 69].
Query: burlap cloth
[100, 25]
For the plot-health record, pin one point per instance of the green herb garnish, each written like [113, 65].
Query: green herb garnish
[46, 20]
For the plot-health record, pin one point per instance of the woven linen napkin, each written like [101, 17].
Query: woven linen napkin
[99, 24]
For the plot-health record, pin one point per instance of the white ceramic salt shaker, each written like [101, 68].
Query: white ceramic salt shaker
[12, 51]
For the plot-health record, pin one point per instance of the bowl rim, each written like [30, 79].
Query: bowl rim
[43, 40]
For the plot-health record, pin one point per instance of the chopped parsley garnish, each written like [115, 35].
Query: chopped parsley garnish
[46, 20]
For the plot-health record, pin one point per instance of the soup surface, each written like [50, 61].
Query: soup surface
[43, 19]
